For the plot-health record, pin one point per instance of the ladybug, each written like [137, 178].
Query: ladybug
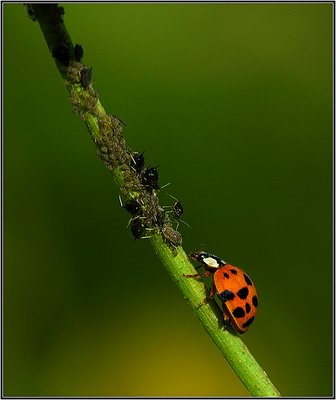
[233, 287]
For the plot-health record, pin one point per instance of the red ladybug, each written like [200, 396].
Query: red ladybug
[233, 287]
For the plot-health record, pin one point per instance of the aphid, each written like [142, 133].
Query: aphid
[78, 52]
[137, 228]
[171, 236]
[86, 76]
[61, 53]
[133, 207]
[138, 162]
[177, 209]
[233, 287]
[161, 217]
[151, 178]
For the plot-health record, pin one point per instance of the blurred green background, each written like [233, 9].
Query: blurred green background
[234, 101]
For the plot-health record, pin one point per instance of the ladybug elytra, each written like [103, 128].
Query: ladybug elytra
[234, 288]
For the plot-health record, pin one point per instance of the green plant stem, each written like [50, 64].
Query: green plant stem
[175, 260]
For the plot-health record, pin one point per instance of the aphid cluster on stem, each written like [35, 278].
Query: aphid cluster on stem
[233, 287]
[139, 184]
[146, 213]
[150, 176]
[139, 222]
[143, 207]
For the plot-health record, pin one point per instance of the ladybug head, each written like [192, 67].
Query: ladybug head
[198, 255]
[208, 260]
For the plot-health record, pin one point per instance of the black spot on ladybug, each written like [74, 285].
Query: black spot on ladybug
[247, 308]
[226, 295]
[86, 76]
[132, 206]
[226, 275]
[255, 301]
[238, 312]
[137, 228]
[247, 280]
[248, 322]
[61, 53]
[243, 293]
[78, 52]
[234, 271]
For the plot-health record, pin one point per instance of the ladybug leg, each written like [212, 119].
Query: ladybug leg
[226, 316]
[212, 292]
[197, 276]
[204, 275]
[209, 296]
[204, 302]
